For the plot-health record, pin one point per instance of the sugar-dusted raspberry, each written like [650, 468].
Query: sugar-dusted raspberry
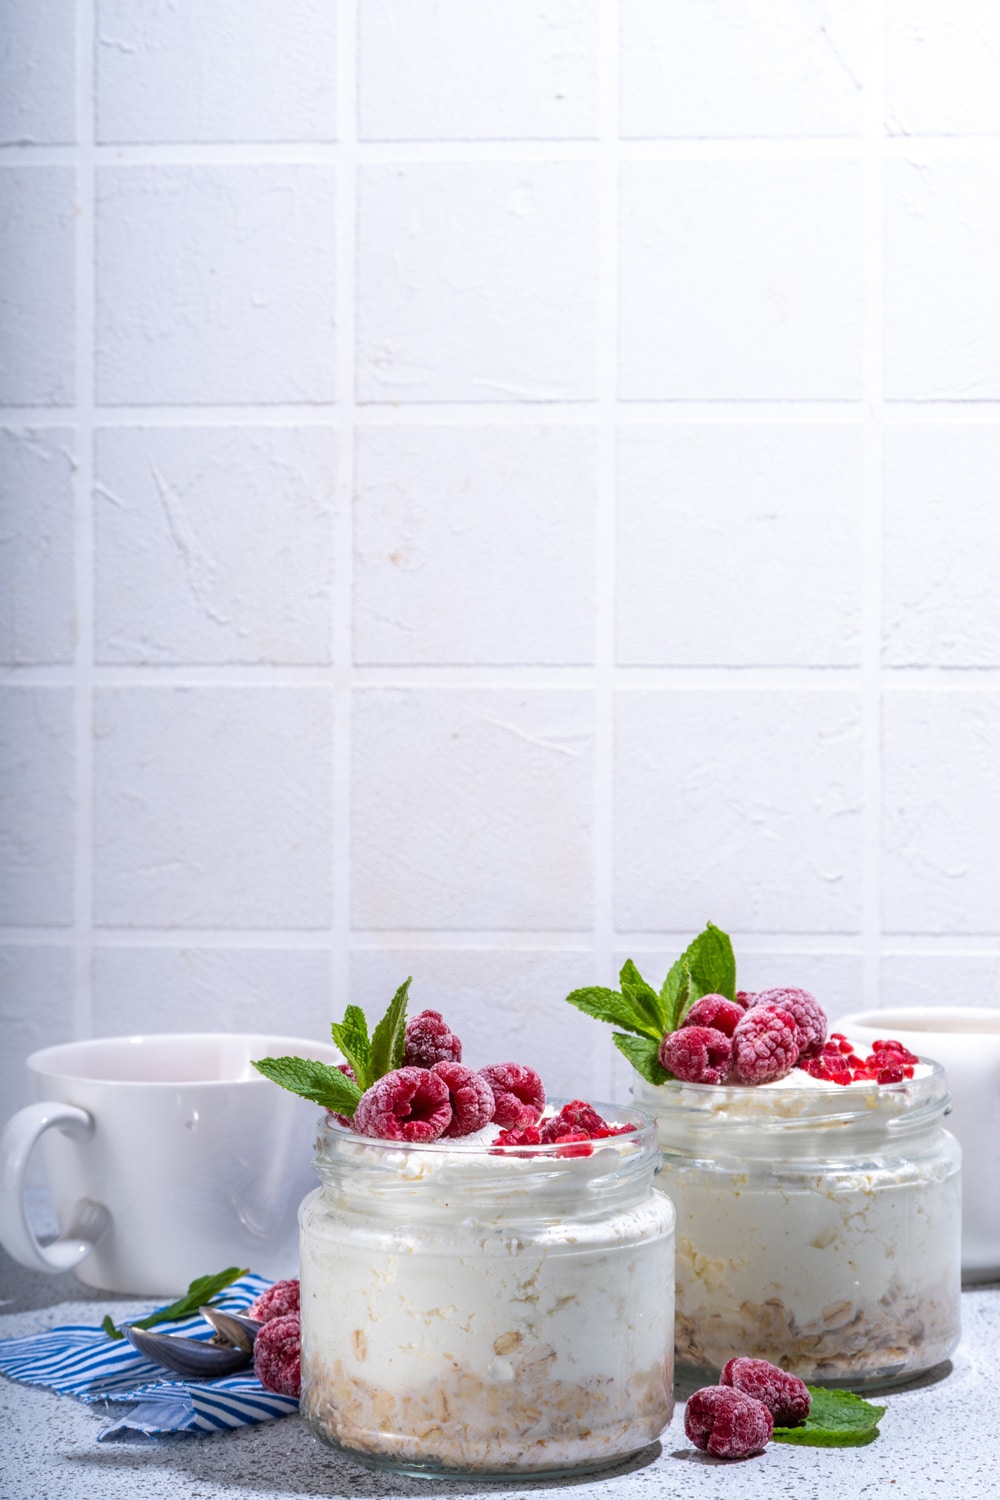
[411, 1104]
[277, 1353]
[724, 1422]
[428, 1040]
[527, 1135]
[786, 1397]
[810, 1017]
[470, 1096]
[696, 1054]
[745, 998]
[519, 1094]
[765, 1045]
[576, 1115]
[715, 1011]
[279, 1299]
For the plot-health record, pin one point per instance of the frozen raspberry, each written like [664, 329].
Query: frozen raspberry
[519, 1094]
[576, 1115]
[276, 1355]
[696, 1054]
[765, 1045]
[745, 998]
[715, 1011]
[810, 1017]
[411, 1104]
[528, 1135]
[279, 1299]
[786, 1397]
[470, 1096]
[429, 1041]
[724, 1422]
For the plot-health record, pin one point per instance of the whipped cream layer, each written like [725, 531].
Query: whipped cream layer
[470, 1311]
[818, 1224]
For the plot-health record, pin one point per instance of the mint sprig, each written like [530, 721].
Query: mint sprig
[199, 1293]
[370, 1058]
[837, 1419]
[706, 967]
[321, 1082]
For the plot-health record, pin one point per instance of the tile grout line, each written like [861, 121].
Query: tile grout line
[604, 531]
[345, 258]
[871, 648]
[83, 538]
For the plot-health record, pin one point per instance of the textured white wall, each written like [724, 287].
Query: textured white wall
[487, 486]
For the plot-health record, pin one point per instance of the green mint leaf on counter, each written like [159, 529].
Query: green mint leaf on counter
[321, 1082]
[642, 1054]
[837, 1419]
[617, 1009]
[389, 1036]
[199, 1294]
[351, 1037]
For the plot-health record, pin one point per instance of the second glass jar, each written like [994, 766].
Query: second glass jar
[817, 1228]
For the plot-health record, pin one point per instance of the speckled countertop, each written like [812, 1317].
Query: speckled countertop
[939, 1438]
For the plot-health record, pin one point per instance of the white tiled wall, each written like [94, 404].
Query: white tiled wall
[486, 487]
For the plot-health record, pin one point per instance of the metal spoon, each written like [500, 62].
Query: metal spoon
[188, 1357]
[235, 1328]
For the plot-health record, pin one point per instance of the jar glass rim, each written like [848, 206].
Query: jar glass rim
[642, 1134]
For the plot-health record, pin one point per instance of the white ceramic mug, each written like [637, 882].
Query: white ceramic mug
[168, 1157]
[966, 1040]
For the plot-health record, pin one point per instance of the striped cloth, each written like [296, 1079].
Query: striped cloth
[78, 1360]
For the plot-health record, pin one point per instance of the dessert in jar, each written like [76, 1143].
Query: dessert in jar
[817, 1192]
[475, 1266]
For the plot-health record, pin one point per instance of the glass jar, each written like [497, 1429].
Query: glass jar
[818, 1226]
[484, 1311]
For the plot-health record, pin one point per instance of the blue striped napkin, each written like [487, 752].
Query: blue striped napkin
[78, 1360]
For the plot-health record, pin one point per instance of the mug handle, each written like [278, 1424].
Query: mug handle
[90, 1221]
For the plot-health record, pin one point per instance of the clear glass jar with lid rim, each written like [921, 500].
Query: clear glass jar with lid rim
[477, 1310]
[818, 1225]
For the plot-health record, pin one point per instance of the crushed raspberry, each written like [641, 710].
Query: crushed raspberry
[574, 1143]
[277, 1354]
[276, 1302]
[724, 1422]
[786, 1397]
[765, 1045]
[528, 1135]
[809, 1015]
[411, 1104]
[609, 1130]
[469, 1095]
[890, 1074]
[519, 1094]
[576, 1115]
[745, 998]
[903, 1053]
[714, 1011]
[696, 1054]
[428, 1041]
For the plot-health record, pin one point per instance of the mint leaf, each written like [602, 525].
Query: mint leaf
[641, 1053]
[617, 1009]
[389, 1036]
[837, 1419]
[199, 1293]
[321, 1082]
[351, 1036]
[712, 963]
[644, 998]
[685, 997]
